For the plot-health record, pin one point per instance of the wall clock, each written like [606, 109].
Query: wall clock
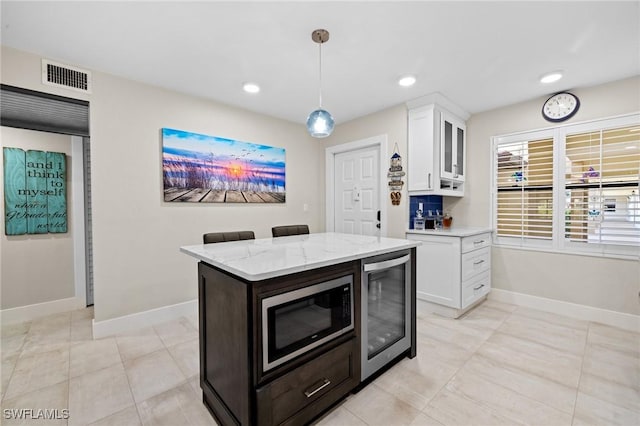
[560, 107]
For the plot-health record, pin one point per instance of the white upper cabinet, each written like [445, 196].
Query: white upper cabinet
[436, 163]
[421, 159]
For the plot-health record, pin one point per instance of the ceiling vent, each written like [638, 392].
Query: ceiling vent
[60, 75]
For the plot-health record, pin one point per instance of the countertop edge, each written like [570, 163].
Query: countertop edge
[299, 268]
[453, 232]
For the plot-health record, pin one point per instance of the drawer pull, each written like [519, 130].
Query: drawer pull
[478, 242]
[325, 383]
[478, 262]
[479, 287]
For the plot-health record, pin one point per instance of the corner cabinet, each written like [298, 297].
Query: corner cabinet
[453, 269]
[436, 152]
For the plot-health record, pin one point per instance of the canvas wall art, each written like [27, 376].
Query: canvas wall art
[209, 169]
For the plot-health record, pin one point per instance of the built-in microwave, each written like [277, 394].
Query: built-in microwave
[297, 321]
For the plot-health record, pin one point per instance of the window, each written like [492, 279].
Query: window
[601, 187]
[524, 189]
[572, 188]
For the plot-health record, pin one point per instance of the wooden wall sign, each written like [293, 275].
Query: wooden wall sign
[395, 176]
[35, 192]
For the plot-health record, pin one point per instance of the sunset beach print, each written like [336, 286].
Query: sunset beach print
[201, 168]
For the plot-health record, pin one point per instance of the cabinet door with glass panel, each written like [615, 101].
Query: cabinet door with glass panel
[452, 150]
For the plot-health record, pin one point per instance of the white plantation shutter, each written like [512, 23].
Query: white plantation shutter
[572, 188]
[601, 187]
[524, 189]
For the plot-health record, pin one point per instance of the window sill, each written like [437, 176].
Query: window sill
[619, 256]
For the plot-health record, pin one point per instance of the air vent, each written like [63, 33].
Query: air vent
[60, 75]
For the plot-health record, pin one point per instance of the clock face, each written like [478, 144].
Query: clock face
[560, 107]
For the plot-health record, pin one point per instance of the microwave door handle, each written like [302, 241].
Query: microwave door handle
[369, 267]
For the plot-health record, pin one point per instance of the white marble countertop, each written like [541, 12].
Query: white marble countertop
[454, 231]
[256, 260]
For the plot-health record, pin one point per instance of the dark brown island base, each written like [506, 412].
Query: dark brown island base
[289, 326]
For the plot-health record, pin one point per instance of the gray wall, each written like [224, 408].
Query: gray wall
[393, 123]
[611, 284]
[37, 268]
[137, 263]
[137, 235]
[606, 283]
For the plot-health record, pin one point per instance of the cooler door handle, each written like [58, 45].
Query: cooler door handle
[368, 267]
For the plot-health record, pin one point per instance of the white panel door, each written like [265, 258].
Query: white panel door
[357, 191]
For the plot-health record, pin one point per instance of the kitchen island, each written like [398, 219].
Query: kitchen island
[281, 329]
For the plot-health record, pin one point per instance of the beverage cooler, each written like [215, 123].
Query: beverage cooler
[386, 309]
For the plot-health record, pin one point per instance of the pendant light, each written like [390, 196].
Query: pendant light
[320, 122]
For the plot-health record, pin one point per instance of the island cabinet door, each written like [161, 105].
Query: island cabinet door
[225, 367]
[303, 393]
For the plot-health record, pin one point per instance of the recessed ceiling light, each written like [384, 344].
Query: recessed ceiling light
[407, 80]
[251, 88]
[551, 77]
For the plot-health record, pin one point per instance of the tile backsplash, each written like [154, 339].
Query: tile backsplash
[429, 202]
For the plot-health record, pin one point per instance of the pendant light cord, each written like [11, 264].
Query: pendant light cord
[320, 73]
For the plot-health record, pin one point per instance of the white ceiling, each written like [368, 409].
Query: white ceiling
[480, 55]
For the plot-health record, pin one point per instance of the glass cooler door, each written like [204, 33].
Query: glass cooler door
[385, 310]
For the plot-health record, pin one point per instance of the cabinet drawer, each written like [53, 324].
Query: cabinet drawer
[475, 288]
[475, 262]
[302, 387]
[476, 242]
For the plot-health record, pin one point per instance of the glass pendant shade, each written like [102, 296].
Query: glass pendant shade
[320, 123]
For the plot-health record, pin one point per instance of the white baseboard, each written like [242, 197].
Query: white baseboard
[143, 319]
[445, 311]
[37, 310]
[573, 310]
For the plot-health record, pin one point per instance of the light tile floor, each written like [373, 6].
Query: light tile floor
[498, 365]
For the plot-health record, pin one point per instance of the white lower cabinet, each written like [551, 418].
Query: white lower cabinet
[453, 268]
